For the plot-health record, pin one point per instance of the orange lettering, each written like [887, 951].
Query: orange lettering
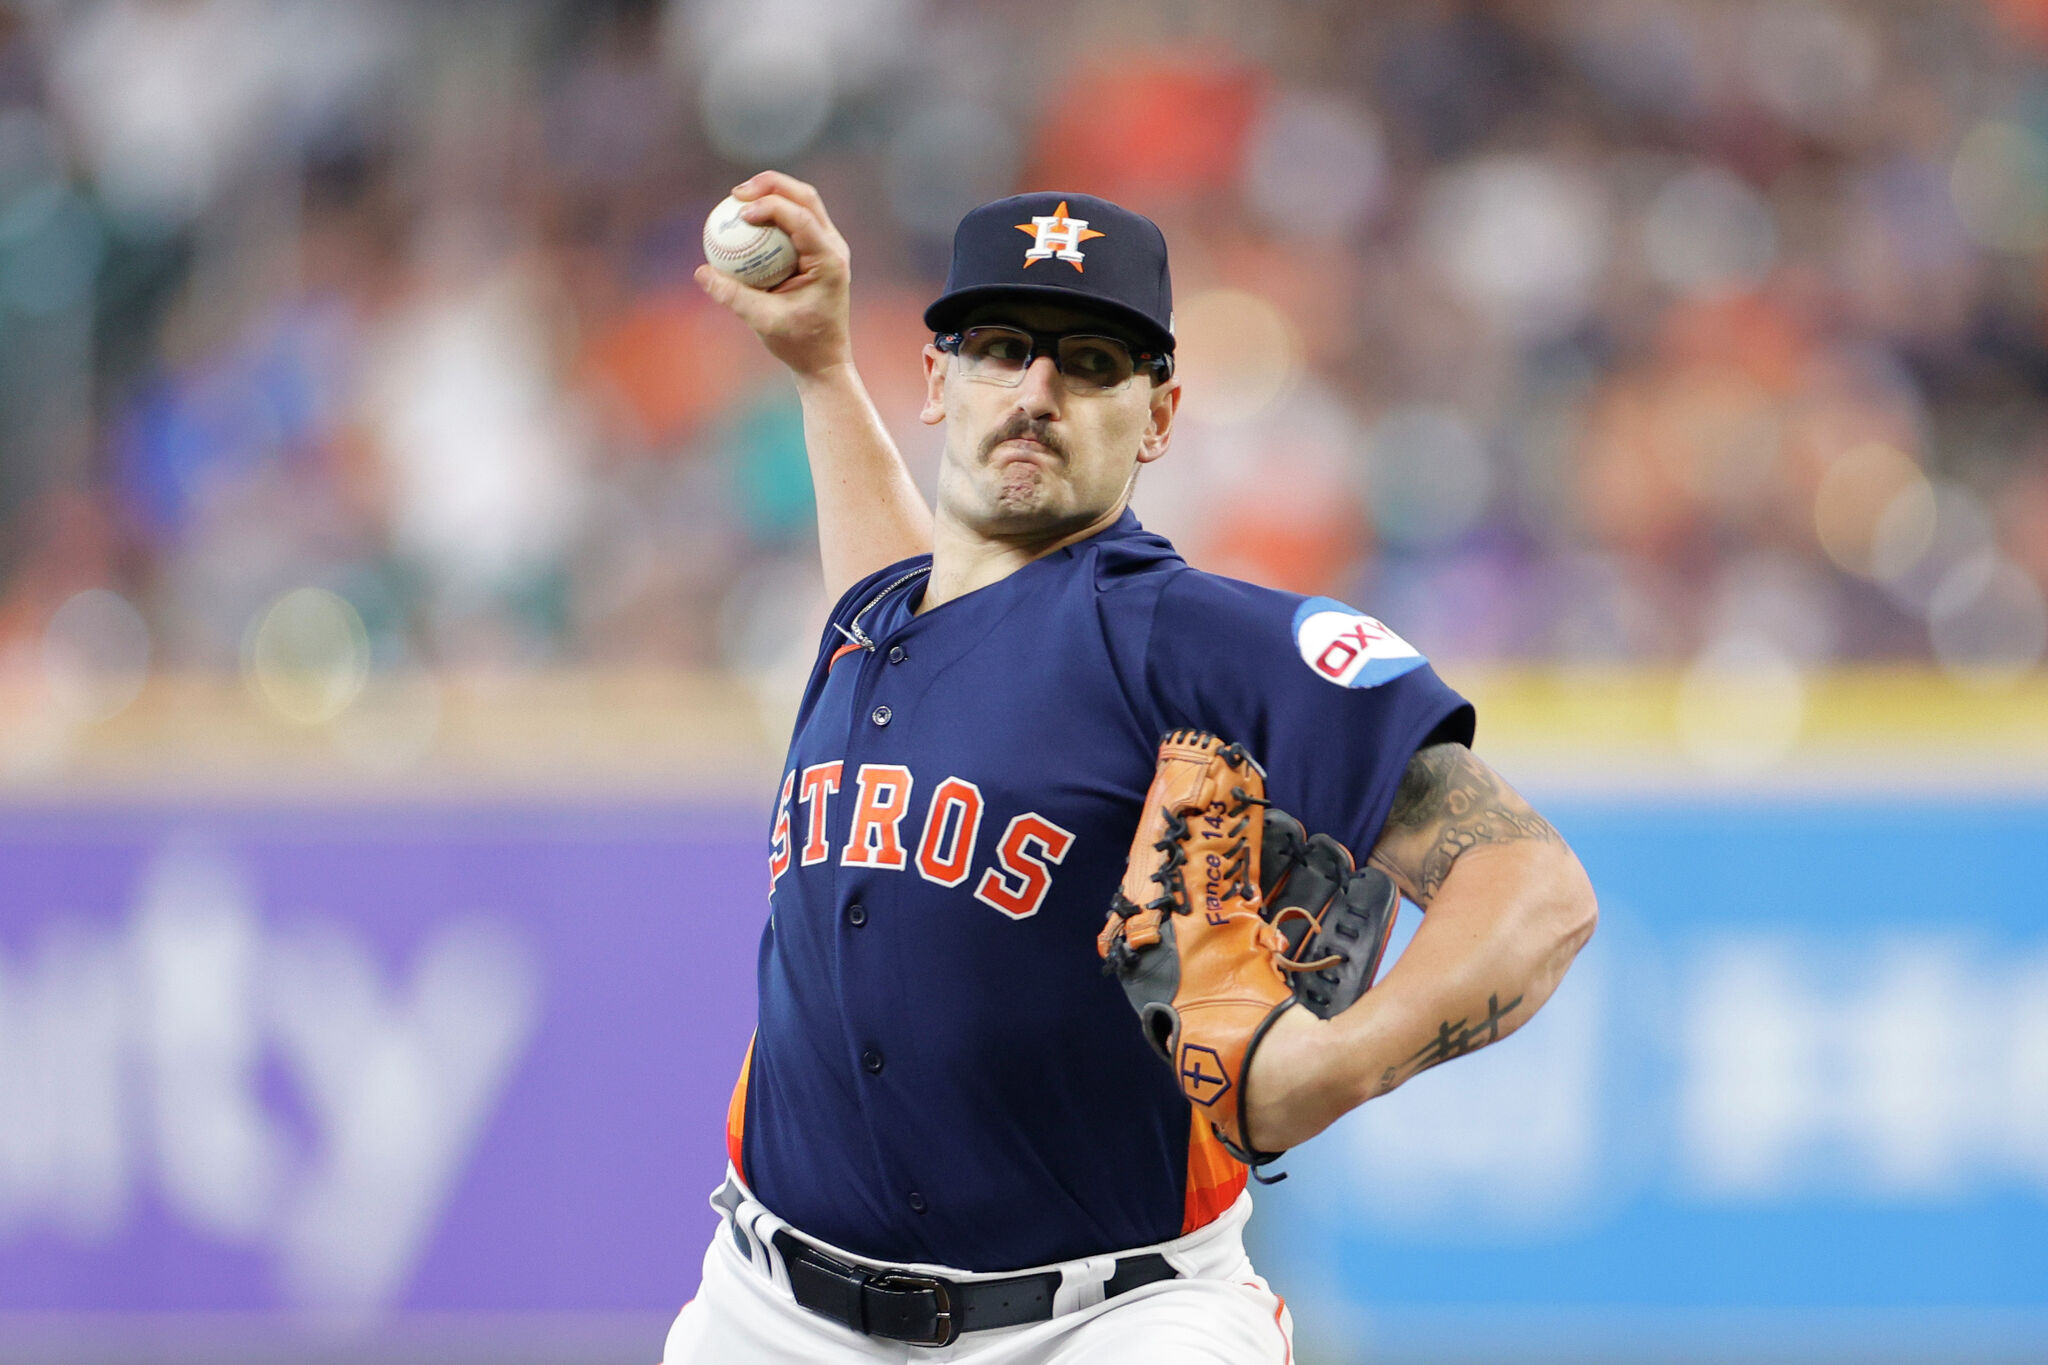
[956, 802]
[875, 840]
[1019, 888]
[778, 845]
[821, 783]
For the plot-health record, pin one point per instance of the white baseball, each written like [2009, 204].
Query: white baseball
[758, 255]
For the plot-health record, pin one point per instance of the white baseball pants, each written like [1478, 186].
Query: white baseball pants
[1220, 1312]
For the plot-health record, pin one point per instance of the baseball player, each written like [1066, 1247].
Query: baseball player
[951, 1138]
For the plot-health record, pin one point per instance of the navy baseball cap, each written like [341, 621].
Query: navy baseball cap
[1071, 249]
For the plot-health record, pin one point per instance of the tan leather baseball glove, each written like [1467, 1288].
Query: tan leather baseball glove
[1227, 916]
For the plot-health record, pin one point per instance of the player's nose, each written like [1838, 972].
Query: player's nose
[1040, 391]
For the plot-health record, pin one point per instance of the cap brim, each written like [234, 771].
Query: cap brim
[948, 311]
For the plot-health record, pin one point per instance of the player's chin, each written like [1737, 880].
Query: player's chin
[1012, 514]
[1022, 487]
[1017, 506]
[1037, 519]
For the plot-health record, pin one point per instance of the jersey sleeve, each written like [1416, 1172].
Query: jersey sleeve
[1330, 701]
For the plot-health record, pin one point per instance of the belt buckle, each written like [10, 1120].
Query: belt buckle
[948, 1327]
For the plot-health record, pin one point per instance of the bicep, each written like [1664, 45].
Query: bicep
[1450, 802]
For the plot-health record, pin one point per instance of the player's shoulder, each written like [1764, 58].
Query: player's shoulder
[1201, 592]
[1125, 558]
[1334, 640]
[1149, 593]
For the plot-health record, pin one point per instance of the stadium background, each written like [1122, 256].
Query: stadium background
[404, 575]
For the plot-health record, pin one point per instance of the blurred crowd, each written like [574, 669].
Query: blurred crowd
[1617, 330]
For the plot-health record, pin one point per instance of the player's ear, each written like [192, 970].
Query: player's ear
[1164, 404]
[934, 410]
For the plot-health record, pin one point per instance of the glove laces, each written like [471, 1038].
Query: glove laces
[1288, 964]
[1171, 881]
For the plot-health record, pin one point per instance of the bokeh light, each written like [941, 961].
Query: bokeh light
[1920, 541]
[1237, 355]
[2000, 183]
[1815, 64]
[1903, 531]
[1988, 621]
[1740, 705]
[1314, 165]
[95, 656]
[1707, 232]
[307, 656]
[1872, 509]
[766, 99]
[1522, 238]
[1782, 598]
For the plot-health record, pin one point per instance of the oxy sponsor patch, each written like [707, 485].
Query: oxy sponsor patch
[1349, 648]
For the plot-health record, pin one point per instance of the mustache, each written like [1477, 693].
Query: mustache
[1020, 427]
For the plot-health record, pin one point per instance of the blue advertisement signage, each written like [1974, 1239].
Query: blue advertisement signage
[1792, 1101]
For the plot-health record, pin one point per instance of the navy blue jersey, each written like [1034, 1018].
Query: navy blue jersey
[941, 1071]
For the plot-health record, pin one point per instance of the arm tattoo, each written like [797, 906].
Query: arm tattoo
[1449, 802]
[1454, 1038]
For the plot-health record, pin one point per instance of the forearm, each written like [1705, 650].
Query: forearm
[1499, 934]
[869, 511]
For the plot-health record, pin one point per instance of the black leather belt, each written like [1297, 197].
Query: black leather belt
[930, 1310]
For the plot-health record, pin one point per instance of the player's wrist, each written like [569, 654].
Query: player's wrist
[1325, 1068]
[830, 373]
[1289, 1086]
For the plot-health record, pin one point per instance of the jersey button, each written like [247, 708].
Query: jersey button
[917, 1204]
[881, 715]
[871, 1062]
[856, 915]
[896, 654]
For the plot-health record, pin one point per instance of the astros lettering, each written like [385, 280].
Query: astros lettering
[1015, 883]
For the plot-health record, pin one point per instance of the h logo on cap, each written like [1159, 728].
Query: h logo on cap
[1057, 237]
